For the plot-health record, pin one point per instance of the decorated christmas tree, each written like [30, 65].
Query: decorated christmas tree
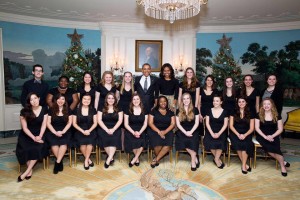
[76, 62]
[224, 64]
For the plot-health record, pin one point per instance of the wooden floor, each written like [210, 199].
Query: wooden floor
[264, 182]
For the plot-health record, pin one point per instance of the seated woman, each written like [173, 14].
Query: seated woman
[268, 125]
[241, 124]
[187, 137]
[135, 121]
[85, 122]
[58, 134]
[216, 131]
[30, 146]
[161, 121]
[109, 119]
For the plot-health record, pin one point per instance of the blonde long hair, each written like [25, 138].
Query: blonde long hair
[182, 114]
[102, 81]
[262, 113]
[123, 83]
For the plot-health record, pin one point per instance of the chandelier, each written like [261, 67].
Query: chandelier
[171, 9]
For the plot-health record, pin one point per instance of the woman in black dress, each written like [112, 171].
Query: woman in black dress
[110, 119]
[241, 124]
[215, 138]
[58, 135]
[126, 91]
[85, 123]
[88, 86]
[190, 85]
[168, 85]
[106, 85]
[30, 146]
[135, 121]
[274, 91]
[62, 88]
[187, 121]
[229, 95]
[268, 125]
[161, 122]
[251, 93]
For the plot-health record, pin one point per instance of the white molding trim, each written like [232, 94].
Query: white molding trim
[7, 17]
[2, 87]
[250, 28]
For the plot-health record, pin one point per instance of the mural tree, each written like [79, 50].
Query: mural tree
[284, 63]
[224, 64]
[76, 62]
[202, 61]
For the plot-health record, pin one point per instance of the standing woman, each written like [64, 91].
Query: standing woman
[107, 84]
[168, 85]
[251, 93]
[274, 91]
[30, 146]
[58, 135]
[161, 122]
[269, 126]
[207, 94]
[135, 121]
[62, 88]
[187, 121]
[126, 91]
[88, 86]
[241, 124]
[109, 119]
[85, 123]
[190, 85]
[215, 138]
[229, 95]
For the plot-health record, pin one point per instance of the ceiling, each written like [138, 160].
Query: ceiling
[215, 13]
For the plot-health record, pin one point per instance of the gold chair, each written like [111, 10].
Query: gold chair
[257, 145]
[68, 153]
[103, 151]
[204, 152]
[77, 152]
[44, 165]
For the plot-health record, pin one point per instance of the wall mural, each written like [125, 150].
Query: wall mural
[25, 45]
[256, 53]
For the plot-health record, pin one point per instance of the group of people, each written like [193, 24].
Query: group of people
[149, 111]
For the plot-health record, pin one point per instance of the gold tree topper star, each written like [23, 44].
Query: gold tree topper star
[75, 37]
[224, 42]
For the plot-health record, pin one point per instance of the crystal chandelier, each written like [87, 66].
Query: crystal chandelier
[171, 9]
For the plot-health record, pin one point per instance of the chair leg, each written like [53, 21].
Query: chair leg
[97, 155]
[176, 156]
[44, 163]
[254, 161]
[148, 154]
[120, 155]
[128, 157]
[70, 157]
[47, 162]
[19, 167]
[224, 157]
[203, 152]
[229, 153]
[75, 157]
[171, 157]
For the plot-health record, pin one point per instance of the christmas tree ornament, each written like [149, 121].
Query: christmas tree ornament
[75, 56]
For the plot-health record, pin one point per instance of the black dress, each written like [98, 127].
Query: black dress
[162, 122]
[136, 122]
[68, 94]
[106, 140]
[27, 149]
[207, 101]
[103, 92]
[92, 92]
[125, 99]
[182, 141]
[229, 103]
[187, 90]
[216, 125]
[251, 100]
[85, 122]
[167, 87]
[58, 123]
[242, 126]
[269, 128]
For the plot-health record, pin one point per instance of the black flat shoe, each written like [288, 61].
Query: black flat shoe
[284, 174]
[112, 162]
[56, 167]
[193, 168]
[153, 165]
[287, 164]
[19, 179]
[86, 168]
[137, 164]
[249, 169]
[244, 172]
[106, 165]
[61, 166]
[28, 177]
[220, 167]
[130, 164]
[91, 164]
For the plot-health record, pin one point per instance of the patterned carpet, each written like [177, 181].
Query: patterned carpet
[122, 182]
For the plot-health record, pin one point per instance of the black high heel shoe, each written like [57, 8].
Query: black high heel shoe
[193, 168]
[249, 169]
[91, 164]
[244, 172]
[154, 164]
[220, 167]
[19, 179]
[284, 174]
[106, 165]
[137, 164]
[287, 164]
[86, 168]
[28, 177]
